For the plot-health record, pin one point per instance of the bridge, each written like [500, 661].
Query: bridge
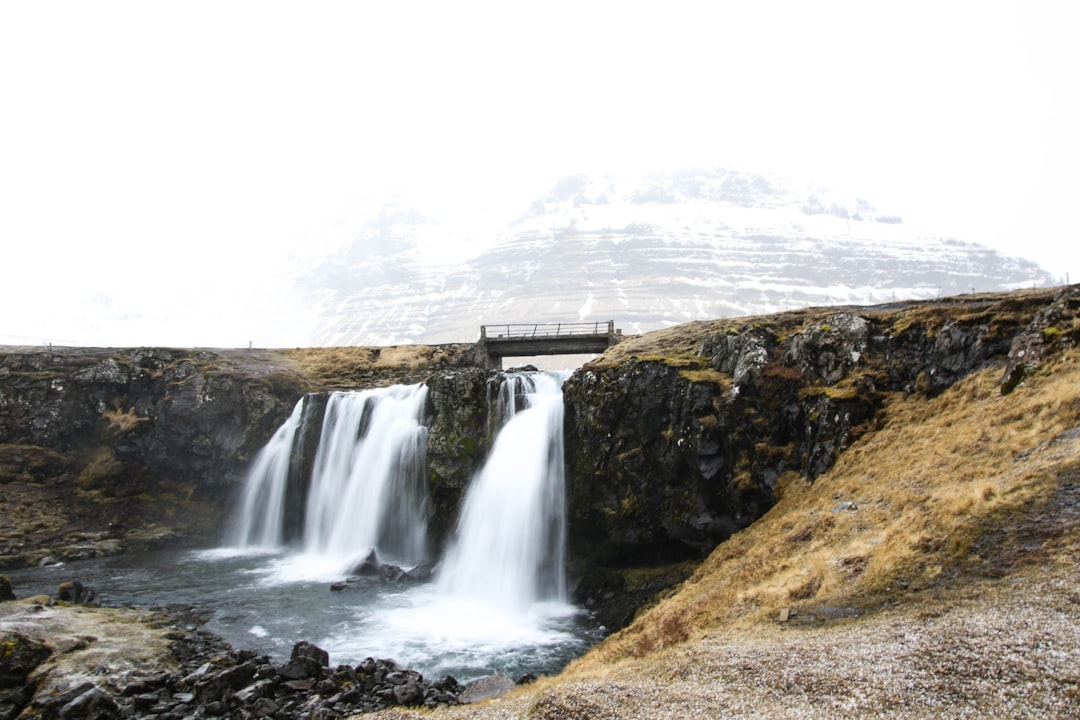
[528, 339]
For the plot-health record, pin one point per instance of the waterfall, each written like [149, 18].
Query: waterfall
[509, 545]
[368, 487]
[499, 597]
[260, 516]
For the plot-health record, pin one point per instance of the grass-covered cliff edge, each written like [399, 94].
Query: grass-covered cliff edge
[918, 467]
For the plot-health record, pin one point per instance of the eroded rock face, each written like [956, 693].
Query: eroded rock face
[668, 454]
[457, 439]
[101, 448]
[1055, 327]
[660, 461]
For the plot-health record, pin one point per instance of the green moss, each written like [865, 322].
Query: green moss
[708, 422]
[833, 392]
[682, 362]
[630, 505]
[707, 375]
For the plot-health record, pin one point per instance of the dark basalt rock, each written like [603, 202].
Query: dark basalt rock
[458, 440]
[669, 454]
[74, 591]
[368, 565]
[216, 681]
[19, 655]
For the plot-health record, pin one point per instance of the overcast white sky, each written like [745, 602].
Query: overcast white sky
[158, 161]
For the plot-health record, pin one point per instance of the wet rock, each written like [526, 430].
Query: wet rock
[421, 573]
[391, 574]
[19, 655]
[6, 593]
[74, 591]
[304, 649]
[264, 707]
[367, 565]
[93, 704]
[224, 683]
[458, 440]
[409, 693]
[307, 661]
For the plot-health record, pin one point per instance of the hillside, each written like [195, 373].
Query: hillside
[931, 572]
[650, 252]
[894, 490]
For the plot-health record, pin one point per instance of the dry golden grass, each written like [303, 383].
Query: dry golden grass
[936, 475]
[331, 367]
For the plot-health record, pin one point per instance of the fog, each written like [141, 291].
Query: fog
[163, 166]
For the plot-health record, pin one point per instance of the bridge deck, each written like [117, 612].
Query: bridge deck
[527, 339]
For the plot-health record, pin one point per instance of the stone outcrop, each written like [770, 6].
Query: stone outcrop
[122, 663]
[679, 438]
[128, 445]
[458, 439]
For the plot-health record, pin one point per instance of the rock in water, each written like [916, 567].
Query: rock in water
[75, 592]
[368, 565]
[6, 593]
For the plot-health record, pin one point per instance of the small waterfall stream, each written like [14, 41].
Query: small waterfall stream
[509, 546]
[259, 519]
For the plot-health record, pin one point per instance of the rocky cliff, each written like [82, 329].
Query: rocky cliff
[678, 438]
[675, 439]
[109, 449]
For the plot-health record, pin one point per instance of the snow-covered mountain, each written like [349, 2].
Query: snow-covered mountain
[647, 252]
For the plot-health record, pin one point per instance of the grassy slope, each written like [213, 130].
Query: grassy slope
[965, 531]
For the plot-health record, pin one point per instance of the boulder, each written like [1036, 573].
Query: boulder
[367, 565]
[74, 591]
[94, 704]
[491, 686]
[19, 655]
[6, 593]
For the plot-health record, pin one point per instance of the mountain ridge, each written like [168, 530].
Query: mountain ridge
[649, 251]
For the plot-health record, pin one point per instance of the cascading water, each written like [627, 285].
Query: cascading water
[261, 511]
[499, 600]
[509, 549]
[368, 486]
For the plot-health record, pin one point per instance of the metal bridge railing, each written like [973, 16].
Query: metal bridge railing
[545, 330]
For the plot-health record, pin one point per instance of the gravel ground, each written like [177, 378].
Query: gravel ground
[1014, 653]
[1007, 647]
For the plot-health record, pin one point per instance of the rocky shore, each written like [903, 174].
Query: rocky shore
[62, 659]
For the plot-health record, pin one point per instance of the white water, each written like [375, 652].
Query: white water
[367, 491]
[499, 602]
[368, 487]
[500, 597]
[258, 522]
[509, 549]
